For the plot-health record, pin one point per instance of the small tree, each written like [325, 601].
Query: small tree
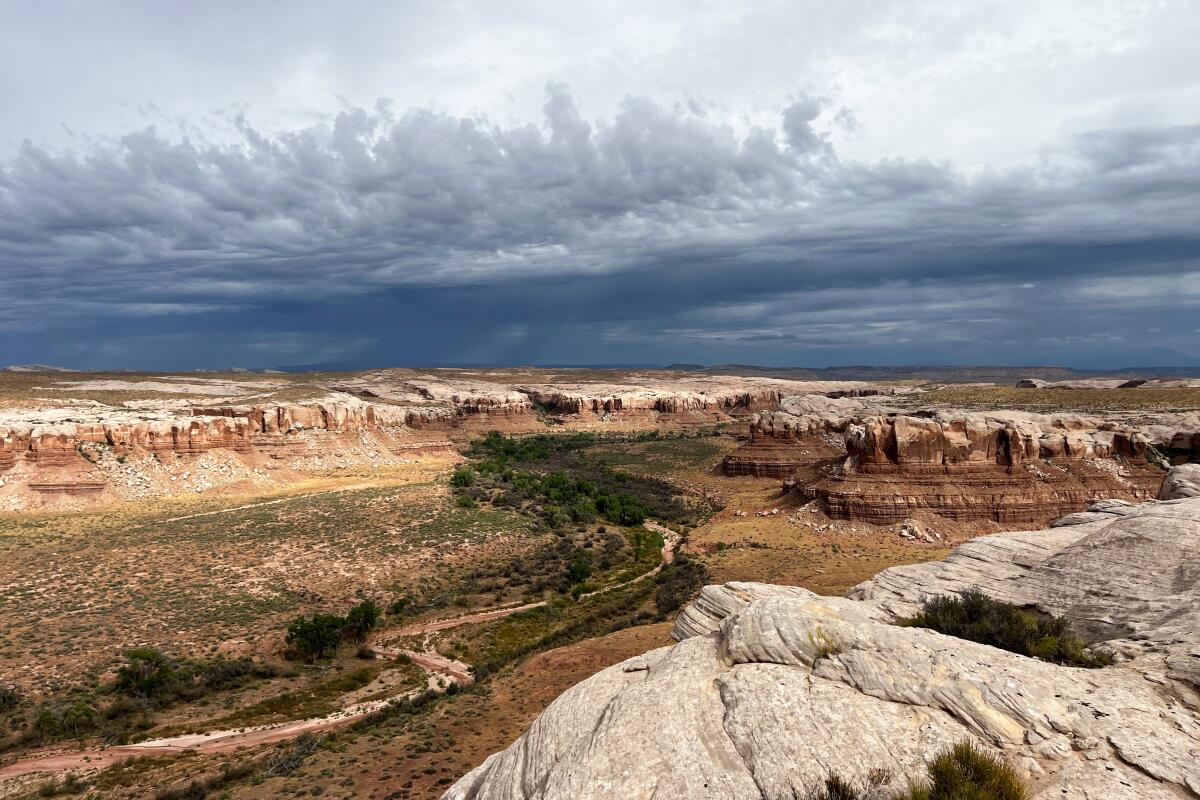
[361, 620]
[315, 637]
[580, 568]
[145, 673]
[9, 698]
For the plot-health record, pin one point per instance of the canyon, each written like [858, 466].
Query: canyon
[771, 689]
[200, 513]
[865, 452]
[69, 443]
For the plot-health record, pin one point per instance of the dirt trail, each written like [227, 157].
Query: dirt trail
[467, 619]
[220, 741]
[225, 741]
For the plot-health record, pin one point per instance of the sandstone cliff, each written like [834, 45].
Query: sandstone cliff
[772, 688]
[1011, 467]
[805, 430]
[68, 453]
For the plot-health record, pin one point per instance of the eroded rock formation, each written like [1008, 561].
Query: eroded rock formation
[66, 449]
[803, 431]
[1014, 468]
[773, 688]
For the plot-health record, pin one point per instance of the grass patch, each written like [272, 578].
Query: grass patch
[961, 773]
[978, 618]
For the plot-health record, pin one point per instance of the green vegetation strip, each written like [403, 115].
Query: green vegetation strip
[978, 618]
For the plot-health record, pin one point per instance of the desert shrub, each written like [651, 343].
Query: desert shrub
[825, 643]
[462, 477]
[465, 501]
[201, 788]
[678, 582]
[400, 605]
[580, 568]
[838, 788]
[315, 637]
[146, 672]
[70, 785]
[967, 773]
[72, 719]
[153, 678]
[961, 773]
[978, 618]
[361, 620]
[9, 698]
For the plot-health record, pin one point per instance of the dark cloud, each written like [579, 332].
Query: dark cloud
[656, 235]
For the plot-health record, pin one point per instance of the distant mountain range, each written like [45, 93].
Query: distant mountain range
[951, 374]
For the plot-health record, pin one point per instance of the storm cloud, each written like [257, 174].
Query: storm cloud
[661, 231]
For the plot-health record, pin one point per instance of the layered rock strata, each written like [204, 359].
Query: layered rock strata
[771, 689]
[76, 453]
[1013, 468]
[803, 431]
[60, 449]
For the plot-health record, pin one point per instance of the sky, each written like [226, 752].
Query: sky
[253, 184]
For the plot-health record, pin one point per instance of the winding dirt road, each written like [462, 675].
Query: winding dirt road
[227, 741]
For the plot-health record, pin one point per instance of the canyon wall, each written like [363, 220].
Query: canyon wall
[76, 452]
[862, 461]
[1016, 469]
[804, 431]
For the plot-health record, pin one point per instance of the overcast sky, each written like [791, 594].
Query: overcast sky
[258, 184]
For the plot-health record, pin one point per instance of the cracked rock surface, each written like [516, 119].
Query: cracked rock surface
[772, 688]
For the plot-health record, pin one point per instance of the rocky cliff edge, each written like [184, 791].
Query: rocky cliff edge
[773, 688]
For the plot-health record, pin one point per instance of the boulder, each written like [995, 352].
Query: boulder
[1182, 481]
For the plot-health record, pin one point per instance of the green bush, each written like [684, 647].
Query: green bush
[462, 477]
[966, 773]
[145, 673]
[978, 618]
[678, 582]
[9, 698]
[315, 637]
[74, 719]
[961, 773]
[361, 620]
[580, 568]
[400, 605]
[153, 678]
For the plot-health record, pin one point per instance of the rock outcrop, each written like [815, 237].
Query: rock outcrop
[1182, 481]
[771, 689]
[64, 450]
[805, 430]
[1014, 468]
[81, 453]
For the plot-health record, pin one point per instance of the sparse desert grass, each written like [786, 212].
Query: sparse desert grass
[666, 456]
[1049, 401]
[78, 589]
